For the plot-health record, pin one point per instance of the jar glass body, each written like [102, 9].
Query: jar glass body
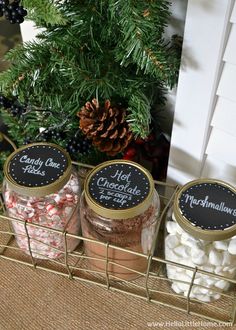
[215, 257]
[59, 211]
[135, 234]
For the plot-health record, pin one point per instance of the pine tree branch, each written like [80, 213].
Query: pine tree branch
[142, 26]
[139, 117]
[44, 12]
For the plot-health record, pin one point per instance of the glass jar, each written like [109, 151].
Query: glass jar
[201, 232]
[119, 206]
[41, 187]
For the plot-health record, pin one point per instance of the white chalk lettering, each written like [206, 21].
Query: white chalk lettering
[205, 203]
[49, 163]
[35, 164]
[33, 170]
[118, 187]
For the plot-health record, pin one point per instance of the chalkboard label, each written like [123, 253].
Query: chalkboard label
[37, 165]
[119, 186]
[209, 205]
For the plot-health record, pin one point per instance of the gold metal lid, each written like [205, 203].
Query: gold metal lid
[38, 169]
[119, 189]
[206, 209]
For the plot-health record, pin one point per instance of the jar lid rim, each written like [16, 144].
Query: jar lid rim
[198, 232]
[38, 191]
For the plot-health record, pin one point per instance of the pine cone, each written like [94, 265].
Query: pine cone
[105, 126]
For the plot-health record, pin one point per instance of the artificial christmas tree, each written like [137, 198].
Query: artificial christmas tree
[90, 50]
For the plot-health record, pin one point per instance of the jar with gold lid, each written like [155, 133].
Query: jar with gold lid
[201, 234]
[119, 206]
[41, 188]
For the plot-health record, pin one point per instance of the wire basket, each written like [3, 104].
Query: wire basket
[151, 285]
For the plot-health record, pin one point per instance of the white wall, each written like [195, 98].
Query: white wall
[28, 31]
[204, 41]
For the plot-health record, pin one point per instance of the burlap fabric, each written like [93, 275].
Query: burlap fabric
[37, 300]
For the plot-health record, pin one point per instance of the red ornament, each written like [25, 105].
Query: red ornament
[139, 141]
[131, 152]
[127, 157]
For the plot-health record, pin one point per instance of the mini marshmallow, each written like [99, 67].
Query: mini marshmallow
[209, 281]
[200, 260]
[171, 227]
[198, 257]
[170, 255]
[172, 241]
[232, 246]
[219, 270]
[204, 298]
[222, 284]
[221, 245]
[183, 286]
[227, 258]
[232, 271]
[216, 296]
[215, 258]
[175, 287]
[181, 251]
[189, 241]
[208, 268]
[189, 273]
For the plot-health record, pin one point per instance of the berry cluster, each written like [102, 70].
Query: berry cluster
[152, 152]
[16, 109]
[13, 12]
[51, 134]
[78, 144]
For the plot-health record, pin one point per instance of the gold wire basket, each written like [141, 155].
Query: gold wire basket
[152, 285]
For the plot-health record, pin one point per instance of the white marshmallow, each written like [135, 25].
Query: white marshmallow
[222, 284]
[204, 298]
[198, 256]
[198, 280]
[189, 273]
[232, 271]
[190, 241]
[210, 281]
[232, 246]
[200, 259]
[175, 287]
[172, 241]
[180, 270]
[183, 286]
[216, 296]
[215, 258]
[188, 262]
[227, 258]
[171, 271]
[171, 227]
[181, 251]
[221, 245]
[219, 270]
[170, 255]
[208, 268]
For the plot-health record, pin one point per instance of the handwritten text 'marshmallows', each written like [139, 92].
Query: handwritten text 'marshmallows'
[205, 203]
